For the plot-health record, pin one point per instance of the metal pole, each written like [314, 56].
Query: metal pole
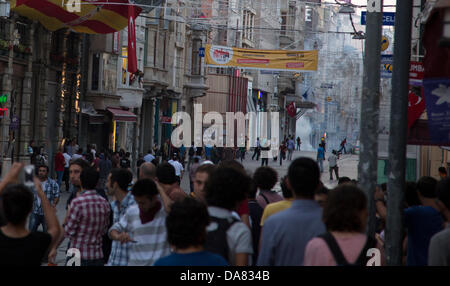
[398, 132]
[370, 106]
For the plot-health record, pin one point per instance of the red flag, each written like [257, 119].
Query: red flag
[132, 60]
[291, 110]
[416, 106]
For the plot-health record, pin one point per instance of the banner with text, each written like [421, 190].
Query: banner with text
[280, 60]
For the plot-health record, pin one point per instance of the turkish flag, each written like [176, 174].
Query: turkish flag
[132, 60]
[416, 105]
[291, 110]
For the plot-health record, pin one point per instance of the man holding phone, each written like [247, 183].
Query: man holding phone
[51, 191]
[19, 246]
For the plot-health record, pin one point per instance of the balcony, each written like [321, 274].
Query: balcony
[196, 86]
[156, 77]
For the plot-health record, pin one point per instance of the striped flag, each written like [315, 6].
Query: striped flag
[93, 17]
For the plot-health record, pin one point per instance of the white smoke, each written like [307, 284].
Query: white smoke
[304, 131]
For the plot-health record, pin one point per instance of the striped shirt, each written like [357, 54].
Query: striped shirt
[119, 251]
[88, 220]
[151, 238]
[51, 191]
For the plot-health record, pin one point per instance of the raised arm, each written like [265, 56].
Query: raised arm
[49, 213]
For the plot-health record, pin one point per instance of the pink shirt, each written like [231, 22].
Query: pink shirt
[318, 254]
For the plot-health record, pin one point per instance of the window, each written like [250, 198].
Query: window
[196, 60]
[283, 23]
[95, 71]
[249, 23]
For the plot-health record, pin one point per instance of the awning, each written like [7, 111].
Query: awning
[108, 16]
[122, 115]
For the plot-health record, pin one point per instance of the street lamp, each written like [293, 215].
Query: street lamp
[358, 36]
[4, 8]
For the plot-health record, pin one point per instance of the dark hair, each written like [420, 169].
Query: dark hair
[80, 162]
[80, 151]
[426, 186]
[322, 191]
[206, 168]
[287, 193]
[89, 178]
[226, 187]
[253, 190]
[442, 170]
[383, 187]
[411, 197]
[43, 166]
[166, 173]
[144, 187]
[17, 203]
[304, 177]
[123, 177]
[155, 162]
[127, 154]
[265, 178]
[344, 180]
[443, 192]
[343, 208]
[186, 223]
[196, 160]
[232, 164]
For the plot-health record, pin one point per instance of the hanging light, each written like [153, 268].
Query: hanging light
[4, 8]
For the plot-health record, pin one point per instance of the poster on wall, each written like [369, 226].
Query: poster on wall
[437, 99]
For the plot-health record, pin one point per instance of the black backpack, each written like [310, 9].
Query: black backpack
[339, 256]
[216, 239]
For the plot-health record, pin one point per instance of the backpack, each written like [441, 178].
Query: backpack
[339, 256]
[216, 239]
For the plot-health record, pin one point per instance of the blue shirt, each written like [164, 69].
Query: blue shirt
[320, 153]
[119, 251]
[207, 151]
[202, 258]
[285, 234]
[422, 223]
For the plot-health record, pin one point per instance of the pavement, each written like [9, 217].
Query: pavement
[348, 166]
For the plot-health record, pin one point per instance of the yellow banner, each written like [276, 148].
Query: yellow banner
[278, 60]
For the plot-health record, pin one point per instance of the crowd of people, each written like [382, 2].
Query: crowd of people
[227, 217]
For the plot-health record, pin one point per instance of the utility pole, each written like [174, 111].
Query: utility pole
[398, 132]
[370, 107]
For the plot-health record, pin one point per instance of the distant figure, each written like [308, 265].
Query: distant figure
[343, 146]
[299, 142]
[320, 156]
[442, 173]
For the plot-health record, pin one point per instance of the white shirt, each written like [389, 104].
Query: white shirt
[149, 157]
[77, 156]
[93, 153]
[178, 167]
[67, 159]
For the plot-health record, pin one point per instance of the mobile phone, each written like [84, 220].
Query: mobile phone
[28, 174]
